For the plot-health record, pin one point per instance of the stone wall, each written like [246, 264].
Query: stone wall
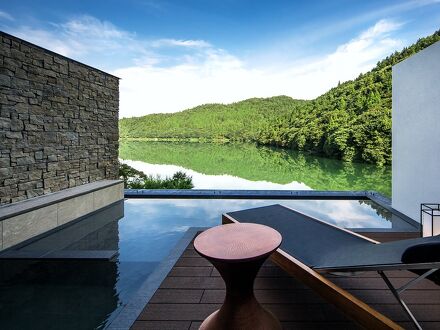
[58, 122]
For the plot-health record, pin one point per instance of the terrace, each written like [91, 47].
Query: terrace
[80, 256]
[135, 266]
[192, 290]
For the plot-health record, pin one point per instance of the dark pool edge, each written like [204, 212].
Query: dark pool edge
[130, 312]
[248, 194]
[374, 196]
[385, 202]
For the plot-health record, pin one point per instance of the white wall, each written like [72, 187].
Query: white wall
[416, 132]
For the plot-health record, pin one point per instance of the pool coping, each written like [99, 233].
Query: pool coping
[11, 210]
[251, 194]
[130, 312]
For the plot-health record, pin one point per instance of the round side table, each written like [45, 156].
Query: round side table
[237, 251]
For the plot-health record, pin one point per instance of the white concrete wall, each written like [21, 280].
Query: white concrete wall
[416, 132]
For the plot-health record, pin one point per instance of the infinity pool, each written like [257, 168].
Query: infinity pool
[89, 294]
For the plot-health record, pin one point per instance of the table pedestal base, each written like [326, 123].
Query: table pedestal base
[240, 310]
[258, 319]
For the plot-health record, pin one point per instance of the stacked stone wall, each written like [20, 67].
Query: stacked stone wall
[58, 122]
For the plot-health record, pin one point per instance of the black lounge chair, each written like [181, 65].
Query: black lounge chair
[322, 247]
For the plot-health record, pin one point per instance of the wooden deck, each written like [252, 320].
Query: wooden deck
[193, 289]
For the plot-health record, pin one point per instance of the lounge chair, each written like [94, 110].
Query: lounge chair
[311, 246]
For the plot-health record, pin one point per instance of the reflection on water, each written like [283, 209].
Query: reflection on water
[206, 181]
[89, 294]
[246, 166]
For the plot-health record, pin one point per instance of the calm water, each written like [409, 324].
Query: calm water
[246, 166]
[90, 294]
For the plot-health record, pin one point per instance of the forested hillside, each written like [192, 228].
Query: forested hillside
[237, 121]
[351, 121]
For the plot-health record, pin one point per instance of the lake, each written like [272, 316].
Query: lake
[247, 166]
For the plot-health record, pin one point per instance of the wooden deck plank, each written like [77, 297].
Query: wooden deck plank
[193, 289]
[330, 325]
[161, 325]
[181, 296]
[191, 262]
[304, 325]
[190, 253]
[177, 312]
[268, 297]
[413, 297]
[191, 271]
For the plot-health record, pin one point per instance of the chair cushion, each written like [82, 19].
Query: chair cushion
[424, 252]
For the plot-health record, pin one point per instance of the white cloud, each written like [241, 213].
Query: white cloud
[180, 43]
[346, 62]
[102, 44]
[168, 75]
[92, 27]
[383, 27]
[213, 75]
[78, 37]
[5, 16]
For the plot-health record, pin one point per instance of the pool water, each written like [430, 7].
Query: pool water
[88, 294]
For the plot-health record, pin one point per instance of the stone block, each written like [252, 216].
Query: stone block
[38, 155]
[32, 127]
[5, 172]
[60, 60]
[5, 191]
[22, 175]
[17, 125]
[20, 73]
[49, 183]
[12, 181]
[35, 175]
[11, 64]
[5, 162]
[5, 123]
[34, 100]
[14, 135]
[102, 141]
[22, 227]
[16, 98]
[25, 49]
[17, 153]
[38, 63]
[21, 107]
[25, 160]
[5, 80]
[26, 186]
[36, 119]
[74, 208]
[53, 166]
[108, 195]
[34, 192]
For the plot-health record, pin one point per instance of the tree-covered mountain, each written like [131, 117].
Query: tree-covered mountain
[351, 121]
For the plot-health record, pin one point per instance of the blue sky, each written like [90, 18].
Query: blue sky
[172, 55]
